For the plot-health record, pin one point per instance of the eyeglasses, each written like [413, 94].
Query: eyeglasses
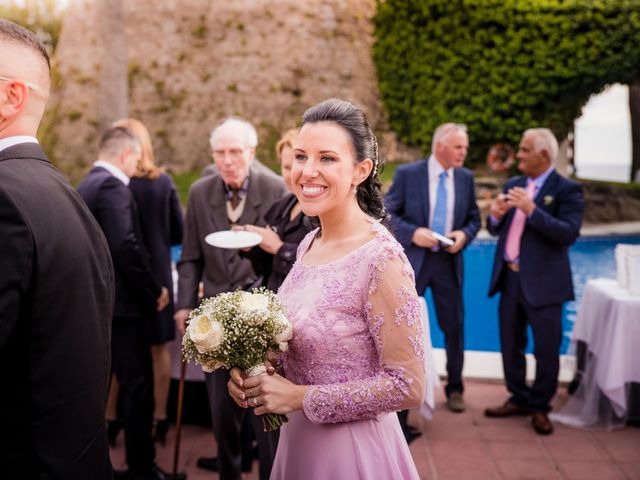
[32, 86]
[233, 153]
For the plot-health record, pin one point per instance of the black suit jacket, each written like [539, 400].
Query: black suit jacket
[545, 273]
[162, 223]
[56, 301]
[408, 204]
[114, 207]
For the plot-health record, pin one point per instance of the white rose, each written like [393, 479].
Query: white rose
[254, 304]
[206, 334]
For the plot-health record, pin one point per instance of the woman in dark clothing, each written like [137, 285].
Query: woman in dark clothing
[286, 226]
[162, 221]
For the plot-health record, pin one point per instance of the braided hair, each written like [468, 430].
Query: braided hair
[365, 145]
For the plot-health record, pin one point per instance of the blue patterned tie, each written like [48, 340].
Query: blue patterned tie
[440, 212]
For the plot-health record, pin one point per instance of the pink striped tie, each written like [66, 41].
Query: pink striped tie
[512, 248]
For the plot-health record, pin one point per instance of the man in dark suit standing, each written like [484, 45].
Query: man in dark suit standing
[105, 191]
[56, 292]
[238, 195]
[537, 218]
[438, 195]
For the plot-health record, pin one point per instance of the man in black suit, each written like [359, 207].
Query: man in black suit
[105, 191]
[236, 195]
[537, 219]
[438, 195]
[56, 292]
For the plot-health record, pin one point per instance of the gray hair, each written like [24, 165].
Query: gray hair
[115, 140]
[445, 130]
[248, 130]
[544, 139]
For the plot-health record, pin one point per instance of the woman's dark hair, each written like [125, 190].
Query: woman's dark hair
[365, 145]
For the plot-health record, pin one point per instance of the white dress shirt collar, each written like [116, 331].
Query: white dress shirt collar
[15, 140]
[436, 168]
[113, 170]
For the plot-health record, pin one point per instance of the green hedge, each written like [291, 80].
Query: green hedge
[499, 66]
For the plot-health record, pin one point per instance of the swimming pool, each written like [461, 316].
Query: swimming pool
[591, 257]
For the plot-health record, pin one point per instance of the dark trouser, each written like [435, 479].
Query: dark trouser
[546, 325]
[440, 275]
[226, 418]
[131, 364]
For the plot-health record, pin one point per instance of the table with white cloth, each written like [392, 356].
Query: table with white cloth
[432, 381]
[608, 322]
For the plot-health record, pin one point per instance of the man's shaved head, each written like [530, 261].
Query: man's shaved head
[25, 79]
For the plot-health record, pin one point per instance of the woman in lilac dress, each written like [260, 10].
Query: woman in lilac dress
[356, 356]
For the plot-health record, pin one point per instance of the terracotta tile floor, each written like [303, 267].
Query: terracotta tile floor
[470, 446]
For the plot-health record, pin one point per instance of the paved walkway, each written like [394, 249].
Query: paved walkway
[469, 446]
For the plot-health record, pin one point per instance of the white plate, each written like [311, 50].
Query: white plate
[233, 239]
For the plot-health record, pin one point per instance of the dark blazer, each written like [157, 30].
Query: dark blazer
[220, 270]
[162, 224]
[56, 302]
[545, 273]
[114, 207]
[274, 268]
[408, 204]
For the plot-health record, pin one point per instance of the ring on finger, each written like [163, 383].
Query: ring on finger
[255, 401]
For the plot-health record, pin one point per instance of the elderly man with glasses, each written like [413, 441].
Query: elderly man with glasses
[428, 200]
[237, 195]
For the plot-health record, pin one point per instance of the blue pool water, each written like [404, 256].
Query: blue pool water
[591, 257]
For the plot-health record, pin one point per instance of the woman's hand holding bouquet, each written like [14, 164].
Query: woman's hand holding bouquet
[238, 329]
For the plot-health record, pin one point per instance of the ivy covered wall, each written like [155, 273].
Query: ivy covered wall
[499, 66]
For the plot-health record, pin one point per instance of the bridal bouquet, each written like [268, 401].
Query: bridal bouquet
[238, 329]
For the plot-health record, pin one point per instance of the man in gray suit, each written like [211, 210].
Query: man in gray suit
[237, 195]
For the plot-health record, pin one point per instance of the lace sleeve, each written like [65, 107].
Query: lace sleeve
[394, 319]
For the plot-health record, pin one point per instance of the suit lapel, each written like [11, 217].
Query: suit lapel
[548, 186]
[458, 187]
[253, 201]
[422, 186]
[218, 205]
[220, 220]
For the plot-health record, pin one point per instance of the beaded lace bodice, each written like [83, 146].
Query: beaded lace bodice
[357, 332]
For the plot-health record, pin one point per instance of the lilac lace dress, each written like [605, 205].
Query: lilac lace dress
[358, 341]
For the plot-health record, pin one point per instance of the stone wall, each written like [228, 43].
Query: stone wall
[193, 62]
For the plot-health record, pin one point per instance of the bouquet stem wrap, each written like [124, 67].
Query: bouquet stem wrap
[270, 421]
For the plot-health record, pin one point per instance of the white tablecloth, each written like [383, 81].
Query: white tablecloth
[608, 321]
[429, 404]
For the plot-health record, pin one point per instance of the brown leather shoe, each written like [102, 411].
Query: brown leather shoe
[508, 409]
[455, 403]
[541, 423]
